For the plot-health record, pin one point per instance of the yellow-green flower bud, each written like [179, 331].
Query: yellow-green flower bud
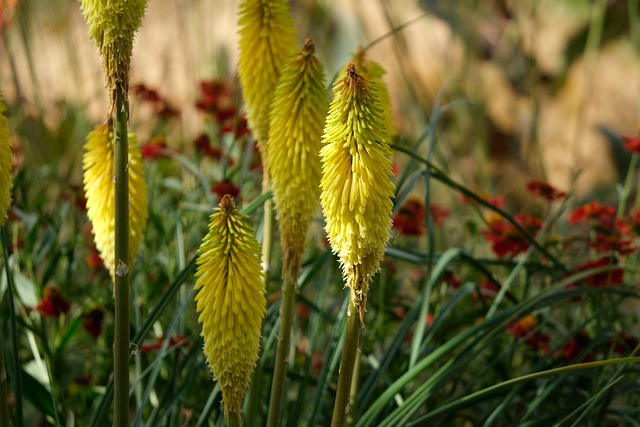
[112, 26]
[267, 38]
[231, 301]
[5, 165]
[99, 189]
[356, 186]
[297, 115]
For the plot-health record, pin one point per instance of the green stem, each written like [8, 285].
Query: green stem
[4, 393]
[234, 420]
[121, 291]
[284, 342]
[17, 368]
[347, 366]
[353, 394]
[628, 183]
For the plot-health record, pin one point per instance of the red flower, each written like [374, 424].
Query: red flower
[488, 288]
[92, 321]
[575, 346]
[496, 201]
[409, 220]
[203, 145]
[303, 311]
[611, 233]
[218, 99]
[173, 342]
[631, 143]
[239, 127]
[592, 211]
[614, 239]
[158, 102]
[438, 214]
[524, 329]
[53, 304]
[85, 380]
[225, 187]
[505, 238]
[154, 148]
[610, 277]
[542, 189]
[94, 262]
[451, 279]
[624, 343]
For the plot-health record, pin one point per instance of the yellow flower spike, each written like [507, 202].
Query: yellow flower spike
[374, 72]
[356, 185]
[5, 164]
[267, 38]
[98, 165]
[297, 115]
[112, 26]
[231, 301]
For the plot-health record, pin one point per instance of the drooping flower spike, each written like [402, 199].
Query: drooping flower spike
[231, 301]
[5, 165]
[357, 190]
[297, 115]
[267, 38]
[112, 26]
[98, 165]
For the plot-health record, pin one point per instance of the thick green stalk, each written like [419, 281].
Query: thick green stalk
[121, 290]
[284, 342]
[347, 365]
[14, 330]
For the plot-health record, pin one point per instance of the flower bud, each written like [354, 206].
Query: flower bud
[231, 301]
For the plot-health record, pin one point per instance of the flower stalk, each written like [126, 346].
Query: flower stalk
[347, 366]
[295, 130]
[122, 278]
[356, 200]
[267, 37]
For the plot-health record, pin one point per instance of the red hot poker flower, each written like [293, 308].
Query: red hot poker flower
[53, 303]
[544, 190]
